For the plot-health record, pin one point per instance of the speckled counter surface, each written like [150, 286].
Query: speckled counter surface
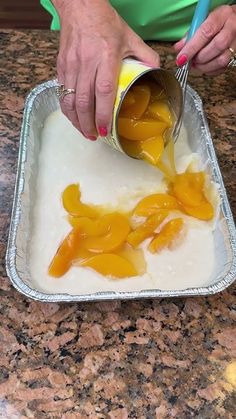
[141, 359]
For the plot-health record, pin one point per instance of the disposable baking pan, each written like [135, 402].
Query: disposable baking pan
[39, 104]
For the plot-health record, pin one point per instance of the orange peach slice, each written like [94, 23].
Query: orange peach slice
[204, 211]
[139, 130]
[128, 101]
[152, 203]
[168, 234]
[66, 254]
[117, 227]
[73, 205]
[88, 227]
[160, 110]
[135, 256]
[147, 229]
[157, 92]
[141, 94]
[188, 188]
[132, 148]
[152, 149]
[109, 264]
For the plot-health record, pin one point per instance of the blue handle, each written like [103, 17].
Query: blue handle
[200, 15]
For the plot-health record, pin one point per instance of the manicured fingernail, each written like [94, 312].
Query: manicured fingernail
[181, 60]
[92, 137]
[102, 131]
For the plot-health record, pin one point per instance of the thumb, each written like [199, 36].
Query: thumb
[146, 54]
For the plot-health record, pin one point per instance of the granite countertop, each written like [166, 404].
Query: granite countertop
[117, 360]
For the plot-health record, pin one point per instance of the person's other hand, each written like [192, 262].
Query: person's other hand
[94, 40]
[209, 47]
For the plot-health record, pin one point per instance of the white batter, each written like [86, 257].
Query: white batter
[107, 177]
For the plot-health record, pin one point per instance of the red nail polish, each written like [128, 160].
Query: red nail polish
[92, 137]
[181, 60]
[102, 131]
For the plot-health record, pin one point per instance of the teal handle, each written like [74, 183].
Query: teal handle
[200, 15]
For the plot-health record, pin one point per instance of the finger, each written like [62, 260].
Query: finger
[60, 70]
[221, 42]
[68, 101]
[212, 25]
[216, 73]
[217, 64]
[179, 45]
[105, 92]
[71, 115]
[85, 100]
[144, 53]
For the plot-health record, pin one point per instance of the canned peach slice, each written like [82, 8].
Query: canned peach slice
[146, 229]
[157, 92]
[142, 129]
[141, 95]
[65, 255]
[88, 227]
[117, 229]
[131, 148]
[168, 234]
[204, 211]
[152, 149]
[153, 203]
[160, 110]
[196, 179]
[128, 100]
[187, 191]
[73, 205]
[189, 188]
[112, 265]
[135, 256]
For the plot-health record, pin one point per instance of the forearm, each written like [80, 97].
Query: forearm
[60, 4]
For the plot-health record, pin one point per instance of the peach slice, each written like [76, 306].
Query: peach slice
[157, 92]
[139, 130]
[128, 101]
[141, 94]
[112, 265]
[132, 148]
[152, 203]
[135, 256]
[152, 149]
[88, 227]
[65, 255]
[73, 205]
[204, 211]
[117, 229]
[168, 234]
[188, 188]
[147, 228]
[160, 110]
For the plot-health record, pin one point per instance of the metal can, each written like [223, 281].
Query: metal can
[131, 71]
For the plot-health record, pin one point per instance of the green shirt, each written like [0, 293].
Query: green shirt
[166, 20]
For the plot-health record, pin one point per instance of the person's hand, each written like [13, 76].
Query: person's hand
[94, 40]
[209, 47]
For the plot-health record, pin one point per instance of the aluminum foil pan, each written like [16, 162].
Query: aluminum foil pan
[40, 103]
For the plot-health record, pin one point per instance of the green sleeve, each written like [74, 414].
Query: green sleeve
[55, 24]
[163, 20]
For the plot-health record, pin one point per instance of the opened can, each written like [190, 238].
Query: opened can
[131, 71]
